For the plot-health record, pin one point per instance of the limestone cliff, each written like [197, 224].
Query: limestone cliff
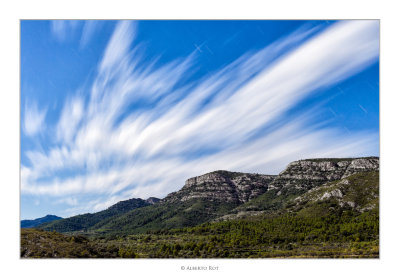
[223, 186]
[306, 174]
[298, 177]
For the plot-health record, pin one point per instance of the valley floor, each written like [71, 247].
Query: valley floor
[286, 236]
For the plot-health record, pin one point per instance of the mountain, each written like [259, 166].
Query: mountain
[84, 222]
[222, 195]
[222, 186]
[302, 176]
[358, 192]
[200, 200]
[38, 221]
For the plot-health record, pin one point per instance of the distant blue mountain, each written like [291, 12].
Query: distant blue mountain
[38, 221]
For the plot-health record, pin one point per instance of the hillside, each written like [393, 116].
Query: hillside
[357, 193]
[202, 199]
[220, 195]
[302, 176]
[86, 221]
[38, 221]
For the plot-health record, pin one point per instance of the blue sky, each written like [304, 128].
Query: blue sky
[112, 110]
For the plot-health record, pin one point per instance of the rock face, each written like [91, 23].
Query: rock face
[223, 186]
[359, 191]
[298, 177]
[306, 174]
[362, 165]
[303, 176]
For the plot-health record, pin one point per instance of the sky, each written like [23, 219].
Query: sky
[113, 110]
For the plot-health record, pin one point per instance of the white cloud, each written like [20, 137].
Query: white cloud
[34, 119]
[146, 152]
[63, 29]
[90, 28]
[118, 47]
[263, 99]
[70, 118]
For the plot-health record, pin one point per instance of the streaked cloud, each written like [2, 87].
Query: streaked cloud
[71, 116]
[118, 46]
[90, 27]
[34, 119]
[62, 30]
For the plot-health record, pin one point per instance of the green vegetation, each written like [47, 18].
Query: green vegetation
[345, 234]
[164, 216]
[84, 222]
[38, 221]
[42, 244]
[157, 216]
[342, 235]
[359, 192]
[269, 201]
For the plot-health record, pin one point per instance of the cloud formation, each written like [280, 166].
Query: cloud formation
[141, 132]
[90, 27]
[34, 119]
[62, 30]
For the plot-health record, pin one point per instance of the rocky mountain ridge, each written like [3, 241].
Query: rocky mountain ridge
[359, 191]
[305, 174]
[298, 176]
[224, 186]
[221, 194]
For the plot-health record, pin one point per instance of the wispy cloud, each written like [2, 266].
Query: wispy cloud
[34, 119]
[70, 118]
[235, 119]
[63, 29]
[118, 47]
[90, 28]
